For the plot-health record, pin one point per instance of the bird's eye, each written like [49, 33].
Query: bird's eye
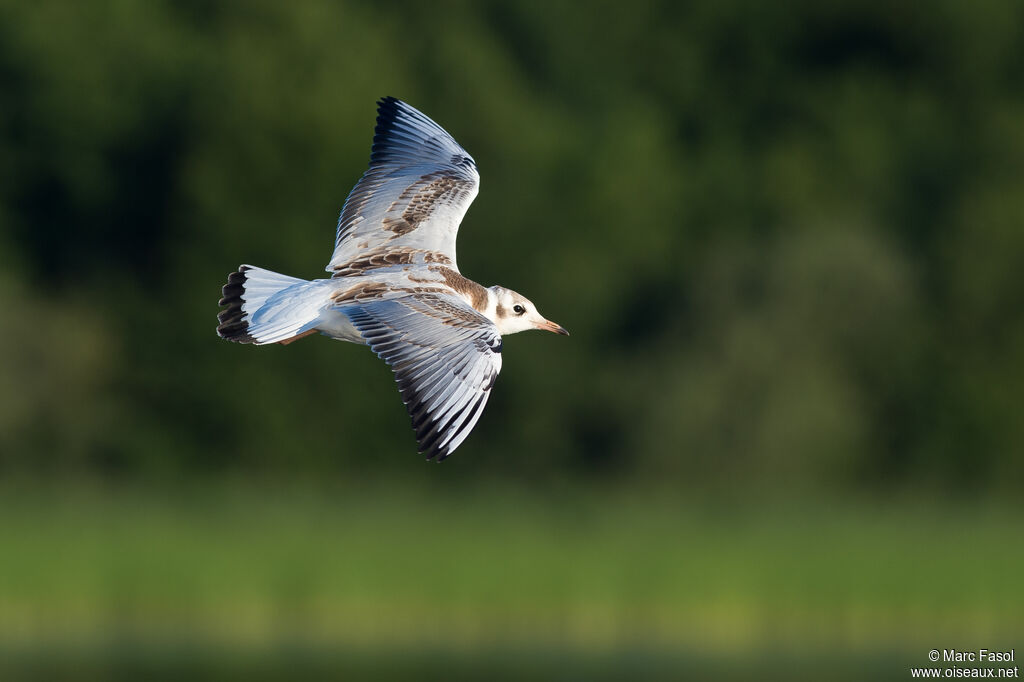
[518, 309]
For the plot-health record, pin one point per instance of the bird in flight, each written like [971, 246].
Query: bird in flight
[395, 285]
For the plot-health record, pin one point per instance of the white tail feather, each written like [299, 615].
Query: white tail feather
[267, 307]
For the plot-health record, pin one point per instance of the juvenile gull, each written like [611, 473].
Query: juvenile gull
[395, 284]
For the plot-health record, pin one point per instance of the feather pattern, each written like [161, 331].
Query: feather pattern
[414, 195]
[444, 371]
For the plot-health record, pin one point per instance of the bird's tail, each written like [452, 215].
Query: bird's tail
[261, 306]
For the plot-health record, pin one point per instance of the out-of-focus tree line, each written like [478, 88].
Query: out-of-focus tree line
[788, 239]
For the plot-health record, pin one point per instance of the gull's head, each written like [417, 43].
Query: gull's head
[515, 313]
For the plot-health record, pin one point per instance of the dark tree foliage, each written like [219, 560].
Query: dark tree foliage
[787, 238]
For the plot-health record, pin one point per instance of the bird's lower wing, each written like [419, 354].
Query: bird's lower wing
[445, 357]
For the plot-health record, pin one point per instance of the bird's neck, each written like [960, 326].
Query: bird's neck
[490, 308]
[472, 293]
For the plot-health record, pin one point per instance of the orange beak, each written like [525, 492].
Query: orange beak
[549, 326]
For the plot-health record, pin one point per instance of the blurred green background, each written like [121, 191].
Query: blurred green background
[783, 441]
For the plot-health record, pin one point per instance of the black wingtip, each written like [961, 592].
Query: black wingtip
[387, 116]
[402, 132]
[435, 454]
[387, 112]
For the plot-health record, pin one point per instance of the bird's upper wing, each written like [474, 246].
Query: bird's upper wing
[413, 196]
[445, 357]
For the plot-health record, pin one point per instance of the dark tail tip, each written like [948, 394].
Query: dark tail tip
[233, 323]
